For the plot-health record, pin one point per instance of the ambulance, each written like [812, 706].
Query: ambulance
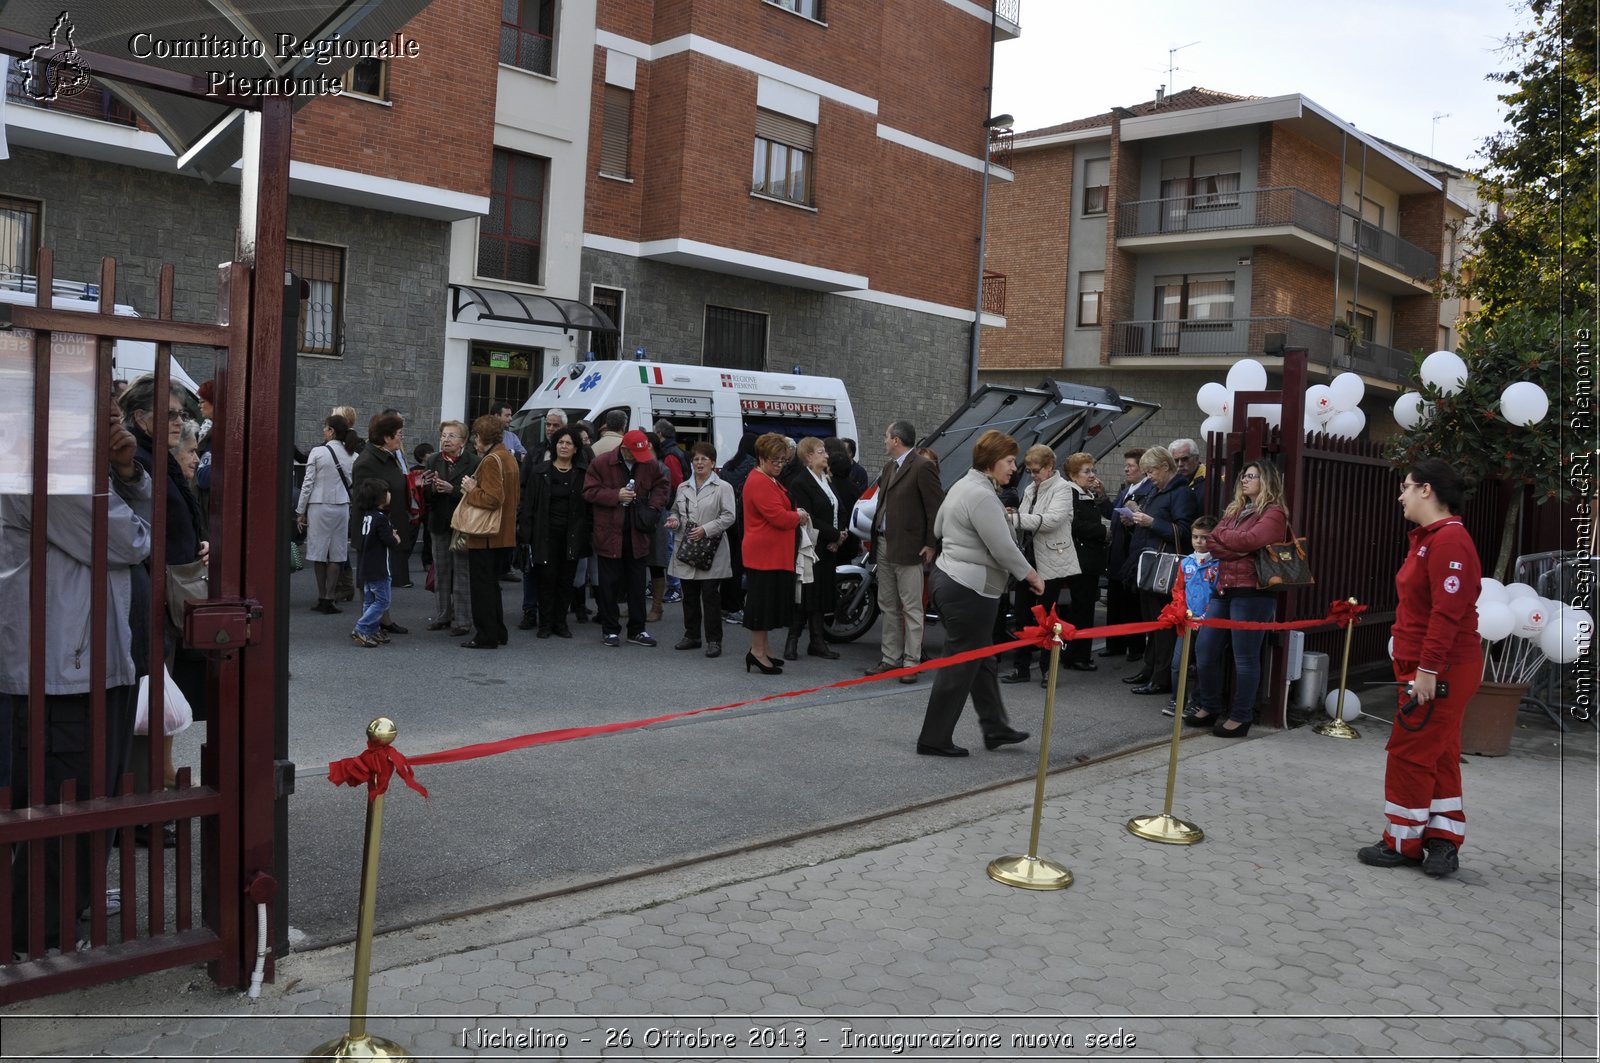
[702, 402]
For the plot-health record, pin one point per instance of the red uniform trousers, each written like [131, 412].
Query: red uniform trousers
[1422, 781]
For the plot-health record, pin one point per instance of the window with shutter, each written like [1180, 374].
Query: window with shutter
[616, 131]
[322, 311]
[784, 150]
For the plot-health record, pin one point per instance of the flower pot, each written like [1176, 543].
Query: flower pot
[1490, 717]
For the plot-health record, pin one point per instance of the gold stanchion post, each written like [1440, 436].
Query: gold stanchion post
[358, 1044]
[1031, 872]
[1164, 827]
[1336, 727]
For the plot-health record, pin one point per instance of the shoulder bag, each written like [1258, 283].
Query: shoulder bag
[1158, 568]
[1284, 566]
[185, 582]
[475, 520]
[698, 553]
[339, 469]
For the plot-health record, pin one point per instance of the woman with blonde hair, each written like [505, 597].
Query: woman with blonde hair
[976, 555]
[1160, 524]
[1255, 518]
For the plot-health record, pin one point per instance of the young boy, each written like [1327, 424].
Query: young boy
[371, 501]
[1199, 578]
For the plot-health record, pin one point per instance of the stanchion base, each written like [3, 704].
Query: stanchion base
[1030, 873]
[365, 1047]
[1169, 830]
[1336, 729]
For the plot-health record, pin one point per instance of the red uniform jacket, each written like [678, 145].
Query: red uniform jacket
[1436, 621]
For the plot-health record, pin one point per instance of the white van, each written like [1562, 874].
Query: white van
[702, 402]
[130, 359]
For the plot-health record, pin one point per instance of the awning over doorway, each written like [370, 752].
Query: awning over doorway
[226, 46]
[495, 304]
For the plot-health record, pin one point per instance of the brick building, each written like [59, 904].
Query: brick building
[380, 173]
[780, 183]
[1151, 247]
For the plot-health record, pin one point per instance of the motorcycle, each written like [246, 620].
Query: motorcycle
[856, 603]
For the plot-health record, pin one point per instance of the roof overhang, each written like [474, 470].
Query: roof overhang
[524, 308]
[230, 54]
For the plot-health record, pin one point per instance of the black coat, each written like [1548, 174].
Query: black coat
[807, 495]
[533, 513]
[186, 522]
[440, 506]
[1088, 533]
[376, 463]
[1172, 509]
[1122, 537]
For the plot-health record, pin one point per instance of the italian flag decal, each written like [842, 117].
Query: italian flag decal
[649, 374]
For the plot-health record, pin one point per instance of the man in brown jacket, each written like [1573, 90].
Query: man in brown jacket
[493, 485]
[909, 495]
[627, 490]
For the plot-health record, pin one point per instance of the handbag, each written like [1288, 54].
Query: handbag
[475, 520]
[1158, 569]
[1284, 566]
[185, 582]
[699, 553]
[645, 518]
[297, 557]
[176, 713]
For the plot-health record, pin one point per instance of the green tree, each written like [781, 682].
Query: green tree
[1532, 270]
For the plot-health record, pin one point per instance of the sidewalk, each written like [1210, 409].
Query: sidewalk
[1266, 939]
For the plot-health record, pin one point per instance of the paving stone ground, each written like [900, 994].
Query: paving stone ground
[1267, 939]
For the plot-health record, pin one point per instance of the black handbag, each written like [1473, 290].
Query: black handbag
[700, 553]
[1284, 566]
[1158, 569]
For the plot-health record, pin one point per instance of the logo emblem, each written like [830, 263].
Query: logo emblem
[590, 382]
[1451, 584]
[61, 76]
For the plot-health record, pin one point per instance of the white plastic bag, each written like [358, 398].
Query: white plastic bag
[175, 707]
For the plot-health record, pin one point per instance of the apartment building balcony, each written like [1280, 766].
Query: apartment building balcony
[1219, 343]
[1008, 19]
[1290, 219]
[994, 293]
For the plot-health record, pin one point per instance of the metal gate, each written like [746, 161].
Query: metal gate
[71, 545]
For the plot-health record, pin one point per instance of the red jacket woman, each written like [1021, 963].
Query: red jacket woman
[769, 523]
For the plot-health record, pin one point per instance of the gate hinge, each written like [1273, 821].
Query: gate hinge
[220, 623]
[282, 778]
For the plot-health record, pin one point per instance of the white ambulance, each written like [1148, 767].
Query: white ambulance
[702, 402]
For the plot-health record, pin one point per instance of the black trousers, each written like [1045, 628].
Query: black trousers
[1158, 644]
[1085, 591]
[1122, 607]
[969, 624]
[483, 583]
[555, 587]
[702, 608]
[624, 576]
[1022, 659]
[66, 756]
[733, 586]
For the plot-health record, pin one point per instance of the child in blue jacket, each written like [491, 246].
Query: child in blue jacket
[1199, 580]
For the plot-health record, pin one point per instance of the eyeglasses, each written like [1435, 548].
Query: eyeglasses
[1408, 485]
[1034, 468]
[1250, 476]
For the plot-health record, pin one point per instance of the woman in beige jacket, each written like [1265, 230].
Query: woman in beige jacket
[1044, 517]
[493, 485]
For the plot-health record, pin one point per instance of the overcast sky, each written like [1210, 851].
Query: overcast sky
[1388, 67]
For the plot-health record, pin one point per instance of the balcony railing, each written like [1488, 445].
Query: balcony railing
[526, 49]
[94, 102]
[1001, 142]
[1267, 207]
[1247, 336]
[1010, 10]
[994, 293]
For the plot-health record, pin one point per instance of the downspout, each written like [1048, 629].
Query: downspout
[983, 205]
[1355, 284]
[1338, 253]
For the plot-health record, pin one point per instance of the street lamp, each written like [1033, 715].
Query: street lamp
[990, 126]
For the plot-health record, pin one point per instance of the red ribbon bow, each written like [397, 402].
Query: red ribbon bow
[1175, 614]
[1342, 611]
[1044, 630]
[374, 767]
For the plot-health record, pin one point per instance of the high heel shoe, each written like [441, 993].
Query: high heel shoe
[1238, 732]
[752, 661]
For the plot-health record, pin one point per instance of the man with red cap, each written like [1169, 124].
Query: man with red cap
[628, 493]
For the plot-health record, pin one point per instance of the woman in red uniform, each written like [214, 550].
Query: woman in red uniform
[1436, 650]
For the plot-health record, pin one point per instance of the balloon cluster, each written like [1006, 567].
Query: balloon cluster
[1523, 403]
[1334, 408]
[1538, 628]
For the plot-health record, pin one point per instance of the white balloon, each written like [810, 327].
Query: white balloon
[1216, 423]
[1489, 583]
[1210, 398]
[1247, 374]
[1520, 590]
[1408, 410]
[1444, 370]
[1494, 620]
[1319, 402]
[1391, 647]
[1524, 403]
[1530, 616]
[1493, 594]
[1352, 705]
[1347, 390]
[1347, 424]
[1271, 412]
[1568, 637]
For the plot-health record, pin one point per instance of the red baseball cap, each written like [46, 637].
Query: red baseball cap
[639, 443]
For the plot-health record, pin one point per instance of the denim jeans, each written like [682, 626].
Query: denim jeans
[374, 603]
[1246, 653]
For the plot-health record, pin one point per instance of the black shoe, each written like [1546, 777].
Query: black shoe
[1083, 666]
[1210, 719]
[474, 644]
[1136, 655]
[562, 631]
[1106, 652]
[1137, 679]
[1010, 736]
[1383, 856]
[324, 605]
[823, 650]
[941, 751]
[1016, 675]
[791, 648]
[752, 661]
[1440, 858]
[1222, 731]
[1151, 688]
[439, 625]
[546, 632]
[714, 649]
[688, 642]
[527, 623]
[395, 629]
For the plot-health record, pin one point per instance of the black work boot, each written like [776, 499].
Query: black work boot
[1440, 858]
[1383, 856]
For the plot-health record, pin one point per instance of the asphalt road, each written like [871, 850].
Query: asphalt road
[522, 824]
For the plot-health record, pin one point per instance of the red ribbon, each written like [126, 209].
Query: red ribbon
[1342, 611]
[1043, 633]
[374, 767]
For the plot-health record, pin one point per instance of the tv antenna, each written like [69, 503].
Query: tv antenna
[1171, 63]
[1437, 116]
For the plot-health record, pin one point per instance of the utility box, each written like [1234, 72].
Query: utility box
[1312, 686]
